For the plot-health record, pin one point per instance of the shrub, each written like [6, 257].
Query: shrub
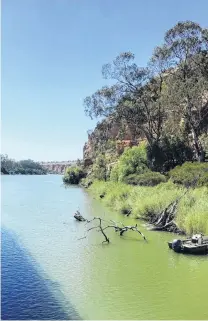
[73, 175]
[132, 161]
[86, 182]
[147, 179]
[99, 169]
[114, 174]
[190, 174]
[203, 180]
[204, 142]
[168, 153]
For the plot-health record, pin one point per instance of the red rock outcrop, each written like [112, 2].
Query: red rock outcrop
[106, 130]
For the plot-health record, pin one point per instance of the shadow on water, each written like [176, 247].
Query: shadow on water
[25, 293]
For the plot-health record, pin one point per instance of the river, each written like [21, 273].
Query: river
[47, 273]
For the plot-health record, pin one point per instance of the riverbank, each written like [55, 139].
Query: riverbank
[147, 202]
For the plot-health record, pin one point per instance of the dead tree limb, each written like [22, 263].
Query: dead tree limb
[121, 229]
[132, 228]
[165, 221]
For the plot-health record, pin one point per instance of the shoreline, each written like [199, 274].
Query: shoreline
[151, 204]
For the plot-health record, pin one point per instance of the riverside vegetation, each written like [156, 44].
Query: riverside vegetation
[23, 167]
[164, 106]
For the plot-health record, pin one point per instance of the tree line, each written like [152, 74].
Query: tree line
[165, 101]
[24, 167]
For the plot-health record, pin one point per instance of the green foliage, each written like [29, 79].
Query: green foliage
[144, 202]
[110, 145]
[168, 153]
[114, 174]
[132, 161]
[190, 174]
[193, 211]
[7, 164]
[146, 179]
[183, 48]
[168, 96]
[23, 167]
[99, 169]
[204, 142]
[73, 175]
[86, 182]
[203, 179]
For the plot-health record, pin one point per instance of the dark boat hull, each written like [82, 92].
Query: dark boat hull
[190, 248]
[198, 249]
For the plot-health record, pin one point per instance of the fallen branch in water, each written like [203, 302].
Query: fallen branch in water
[79, 217]
[121, 229]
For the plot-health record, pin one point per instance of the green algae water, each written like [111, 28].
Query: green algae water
[61, 277]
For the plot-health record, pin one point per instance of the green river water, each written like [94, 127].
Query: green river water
[127, 279]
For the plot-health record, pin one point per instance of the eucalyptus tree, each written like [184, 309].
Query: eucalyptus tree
[185, 54]
[167, 97]
[133, 99]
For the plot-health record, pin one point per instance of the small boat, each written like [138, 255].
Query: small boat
[79, 217]
[198, 244]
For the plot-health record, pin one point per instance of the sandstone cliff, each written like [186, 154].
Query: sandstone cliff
[108, 135]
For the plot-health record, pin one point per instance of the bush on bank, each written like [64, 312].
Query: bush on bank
[73, 175]
[132, 161]
[169, 152]
[146, 179]
[86, 182]
[192, 215]
[190, 174]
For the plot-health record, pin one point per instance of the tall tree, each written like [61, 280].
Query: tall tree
[185, 53]
[134, 98]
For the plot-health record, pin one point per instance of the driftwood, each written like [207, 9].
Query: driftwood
[79, 217]
[118, 227]
[122, 229]
[165, 221]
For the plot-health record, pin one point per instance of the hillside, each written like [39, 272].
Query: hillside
[164, 103]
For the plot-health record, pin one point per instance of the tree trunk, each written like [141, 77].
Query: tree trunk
[199, 152]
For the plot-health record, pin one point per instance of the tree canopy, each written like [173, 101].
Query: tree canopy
[24, 167]
[167, 97]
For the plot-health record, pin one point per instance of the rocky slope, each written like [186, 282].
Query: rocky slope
[108, 136]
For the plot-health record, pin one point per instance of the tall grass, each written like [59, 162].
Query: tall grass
[192, 214]
[193, 211]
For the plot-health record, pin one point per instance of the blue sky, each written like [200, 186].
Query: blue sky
[52, 54]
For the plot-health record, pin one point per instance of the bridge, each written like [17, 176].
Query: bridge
[57, 167]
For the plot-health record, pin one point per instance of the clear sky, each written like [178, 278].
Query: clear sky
[52, 54]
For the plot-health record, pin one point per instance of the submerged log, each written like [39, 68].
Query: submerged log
[79, 217]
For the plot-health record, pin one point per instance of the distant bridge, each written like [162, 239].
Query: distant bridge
[57, 167]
